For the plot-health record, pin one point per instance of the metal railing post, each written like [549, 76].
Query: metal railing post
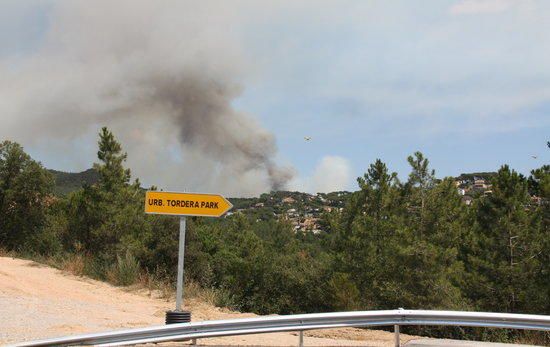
[301, 340]
[396, 333]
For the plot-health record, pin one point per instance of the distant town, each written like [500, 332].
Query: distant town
[302, 210]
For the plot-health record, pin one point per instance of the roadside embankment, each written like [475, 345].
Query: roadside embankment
[38, 301]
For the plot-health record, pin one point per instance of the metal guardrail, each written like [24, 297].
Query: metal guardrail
[301, 322]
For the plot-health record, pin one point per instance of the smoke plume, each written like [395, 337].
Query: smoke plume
[332, 173]
[163, 75]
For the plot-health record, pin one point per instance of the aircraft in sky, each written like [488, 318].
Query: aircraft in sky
[307, 138]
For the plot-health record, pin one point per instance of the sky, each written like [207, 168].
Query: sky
[466, 82]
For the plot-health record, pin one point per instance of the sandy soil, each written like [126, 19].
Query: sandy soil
[37, 301]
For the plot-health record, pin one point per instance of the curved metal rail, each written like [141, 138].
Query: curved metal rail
[301, 322]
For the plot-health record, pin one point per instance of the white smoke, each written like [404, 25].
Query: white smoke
[162, 75]
[332, 173]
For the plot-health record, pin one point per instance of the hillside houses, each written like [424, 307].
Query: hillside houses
[302, 210]
[470, 186]
[476, 185]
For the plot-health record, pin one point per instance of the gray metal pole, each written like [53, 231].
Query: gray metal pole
[181, 252]
[396, 332]
[301, 339]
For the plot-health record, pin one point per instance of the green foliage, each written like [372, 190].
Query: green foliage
[399, 243]
[507, 247]
[539, 182]
[344, 293]
[410, 244]
[125, 271]
[511, 247]
[106, 218]
[112, 173]
[25, 187]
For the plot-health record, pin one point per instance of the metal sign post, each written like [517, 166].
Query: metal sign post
[181, 253]
[182, 205]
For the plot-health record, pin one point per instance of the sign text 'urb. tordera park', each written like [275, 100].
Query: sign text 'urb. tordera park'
[186, 204]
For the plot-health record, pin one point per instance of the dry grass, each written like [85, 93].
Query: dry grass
[5, 253]
[156, 286]
[162, 288]
[74, 264]
[194, 291]
[535, 338]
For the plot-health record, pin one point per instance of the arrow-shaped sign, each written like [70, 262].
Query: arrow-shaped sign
[186, 204]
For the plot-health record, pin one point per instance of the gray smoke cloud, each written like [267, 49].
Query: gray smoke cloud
[163, 75]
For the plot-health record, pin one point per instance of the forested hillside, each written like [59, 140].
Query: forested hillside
[67, 182]
[395, 242]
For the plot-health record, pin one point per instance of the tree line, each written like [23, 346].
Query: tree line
[410, 243]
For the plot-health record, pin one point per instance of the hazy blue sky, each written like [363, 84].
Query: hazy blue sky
[467, 82]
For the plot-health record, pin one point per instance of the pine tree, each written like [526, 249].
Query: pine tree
[536, 297]
[429, 240]
[111, 170]
[366, 239]
[25, 187]
[421, 180]
[107, 218]
[506, 246]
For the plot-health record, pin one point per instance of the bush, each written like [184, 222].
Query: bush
[224, 298]
[75, 264]
[125, 271]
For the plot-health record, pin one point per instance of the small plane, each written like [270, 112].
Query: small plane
[307, 138]
[534, 156]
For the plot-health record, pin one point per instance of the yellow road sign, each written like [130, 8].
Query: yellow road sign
[186, 204]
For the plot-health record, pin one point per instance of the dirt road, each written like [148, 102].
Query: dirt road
[37, 301]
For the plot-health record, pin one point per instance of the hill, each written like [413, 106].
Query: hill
[302, 210]
[66, 182]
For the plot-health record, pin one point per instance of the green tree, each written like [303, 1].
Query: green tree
[426, 270]
[25, 191]
[399, 244]
[539, 182]
[107, 218]
[430, 266]
[421, 180]
[111, 170]
[344, 293]
[365, 243]
[536, 297]
[509, 245]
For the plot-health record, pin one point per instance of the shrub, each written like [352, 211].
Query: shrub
[125, 271]
[75, 264]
